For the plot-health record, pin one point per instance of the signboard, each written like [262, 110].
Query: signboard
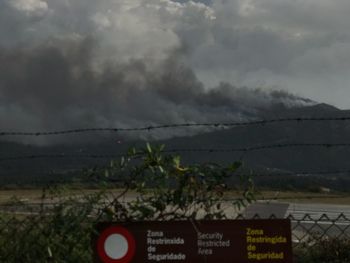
[239, 241]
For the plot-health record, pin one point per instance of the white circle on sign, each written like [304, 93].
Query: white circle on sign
[116, 246]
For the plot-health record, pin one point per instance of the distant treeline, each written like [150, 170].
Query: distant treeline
[312, 183]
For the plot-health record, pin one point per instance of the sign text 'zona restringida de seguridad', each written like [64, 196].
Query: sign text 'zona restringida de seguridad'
[239, 241]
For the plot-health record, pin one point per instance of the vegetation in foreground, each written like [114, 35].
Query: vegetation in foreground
[324, 250]
[163, 189]
[60, 228]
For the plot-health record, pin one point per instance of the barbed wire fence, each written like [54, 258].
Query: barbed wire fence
[172, 126]
[19, 222]
[25, 218]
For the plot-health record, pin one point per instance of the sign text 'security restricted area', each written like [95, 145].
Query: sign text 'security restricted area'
[239, 241]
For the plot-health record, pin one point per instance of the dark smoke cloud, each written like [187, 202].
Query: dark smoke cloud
[298, 46]
[60, 85]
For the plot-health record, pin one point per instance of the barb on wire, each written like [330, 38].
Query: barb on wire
[169, 126]
[299, 173]
[185, 150]
[58, 156]
[260, 147]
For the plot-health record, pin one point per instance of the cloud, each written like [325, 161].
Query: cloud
[58, 86]
[127, 63]
[36, 7]
[298, 46]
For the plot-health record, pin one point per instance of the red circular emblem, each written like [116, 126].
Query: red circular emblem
[116, 245]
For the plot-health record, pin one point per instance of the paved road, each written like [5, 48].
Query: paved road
[316, 211]
[299, 211]
[307, 219]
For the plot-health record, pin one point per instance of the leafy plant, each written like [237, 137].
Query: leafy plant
[324, 250]
[162, 188]
[153, 186]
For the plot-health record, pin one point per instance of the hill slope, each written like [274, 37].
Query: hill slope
[291, 159]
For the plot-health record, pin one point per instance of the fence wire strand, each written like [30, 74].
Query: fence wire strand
[171, 126]
[178, 150]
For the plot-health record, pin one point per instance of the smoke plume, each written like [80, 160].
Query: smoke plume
[58, 85]
[67, 65]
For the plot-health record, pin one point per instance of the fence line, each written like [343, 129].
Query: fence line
[306, 228]
[179, 150]
[301, 173]
[179, 125]
[260, 147]
[58, 156]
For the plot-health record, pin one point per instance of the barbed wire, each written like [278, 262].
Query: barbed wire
[298, 173]
[179, 150]
[58, 156]
[170, 126]
[259, 147]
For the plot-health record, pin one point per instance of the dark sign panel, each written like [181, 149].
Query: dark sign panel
[238, 241]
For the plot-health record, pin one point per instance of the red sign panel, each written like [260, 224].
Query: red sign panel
[238, 241]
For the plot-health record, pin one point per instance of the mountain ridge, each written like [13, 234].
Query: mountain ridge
[291, 159]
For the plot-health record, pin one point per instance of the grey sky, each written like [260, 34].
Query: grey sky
[113, 47]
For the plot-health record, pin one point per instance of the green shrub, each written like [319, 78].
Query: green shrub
[158, 186]
[324, 250]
